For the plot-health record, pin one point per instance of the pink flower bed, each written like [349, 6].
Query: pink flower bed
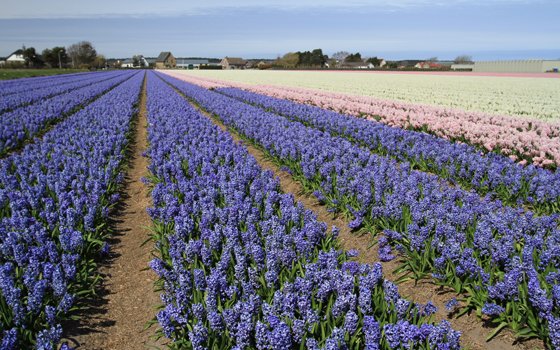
[521, 139]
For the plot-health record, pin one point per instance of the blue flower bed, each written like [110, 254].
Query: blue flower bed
[505, 260]
[244, 266]
[55, 198]
[461, 164]
[16, 86]
[23, 123]
[48, 88]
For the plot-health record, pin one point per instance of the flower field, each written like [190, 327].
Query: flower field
[477, 238]
[465, 202]
[523, 140]
[54, 200]
[242, 265]
[524, 97]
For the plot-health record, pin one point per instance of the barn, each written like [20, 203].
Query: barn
[233, 63]
[165, 60]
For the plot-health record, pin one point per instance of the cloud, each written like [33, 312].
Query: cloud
[38, 9]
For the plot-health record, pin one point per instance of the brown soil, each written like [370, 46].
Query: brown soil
[127, 301]
[474, 331]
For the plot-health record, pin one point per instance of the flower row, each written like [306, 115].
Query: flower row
[537, 188]
[16, 86]
[49, 89]
[503, 258]
[244, 266]
[54, 201]
[24, 123]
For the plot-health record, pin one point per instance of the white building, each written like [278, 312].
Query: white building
[462, 66]
[517, 66]
[128, 63]
[357, 65]
[195, 63]
[233, 63]
[16, 57]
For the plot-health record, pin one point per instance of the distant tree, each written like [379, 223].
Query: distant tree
[55, 57]
[49, 59]
[314, 58]
[432, 59]
[340, 56]
[139, 61]
[317, 58]
[82, 54]
[356, 57]
[289, 60]
[31, 57]
[374, 60]
[262, 65]
[142, 61]
[304, 58]
[332, 62]
[99, 62]
[463, 59]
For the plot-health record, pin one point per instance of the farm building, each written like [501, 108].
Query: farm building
[166, 60]
[196, 63]
[16, 57]
[517, 66]
[462, 66]
[128, 63]
[428, 65]
[190, 63]
[357, 65]
[233, 63]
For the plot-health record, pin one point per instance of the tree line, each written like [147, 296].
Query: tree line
[82, 55]
[316, 59]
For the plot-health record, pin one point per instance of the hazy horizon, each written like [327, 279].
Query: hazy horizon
[399, 29]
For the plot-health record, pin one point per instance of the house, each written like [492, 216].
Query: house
[233, 63]
[357, 65]
[16, 57]
[128, 63]
[165, 60]
[427, 65]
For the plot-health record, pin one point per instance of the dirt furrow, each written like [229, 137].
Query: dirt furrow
[127, 301]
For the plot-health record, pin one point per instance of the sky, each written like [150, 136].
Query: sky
[392, 29]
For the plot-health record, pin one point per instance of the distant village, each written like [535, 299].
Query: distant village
[166, 60]
[83, 56]
[341, 60]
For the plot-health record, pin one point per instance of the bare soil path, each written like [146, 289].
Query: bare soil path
[127, 299]
[474, 331]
